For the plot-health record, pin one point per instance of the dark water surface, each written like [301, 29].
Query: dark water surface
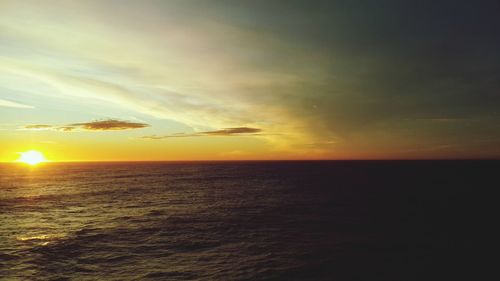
[336, 220]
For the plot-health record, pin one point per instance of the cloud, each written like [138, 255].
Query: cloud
[98, 125]
[110, 124]
[222, 132]
[6, 103]
[233, 131]
[66, 128]
[40, 127]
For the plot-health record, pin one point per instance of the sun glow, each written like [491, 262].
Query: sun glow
[31, 157]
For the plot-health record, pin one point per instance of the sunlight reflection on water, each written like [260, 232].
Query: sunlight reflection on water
[41, 239]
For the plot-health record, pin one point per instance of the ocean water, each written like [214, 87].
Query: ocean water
[323, 220]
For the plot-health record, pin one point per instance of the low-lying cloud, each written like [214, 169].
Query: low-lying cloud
[110, 124]
[98, 125]
[222, 132]
[38, 127]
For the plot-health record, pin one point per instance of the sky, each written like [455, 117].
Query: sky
[222, 80]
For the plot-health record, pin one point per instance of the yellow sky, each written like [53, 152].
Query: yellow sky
[191, 80]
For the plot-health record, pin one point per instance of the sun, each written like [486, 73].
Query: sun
[31, 157]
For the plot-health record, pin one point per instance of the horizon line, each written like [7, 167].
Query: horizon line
[259, 160]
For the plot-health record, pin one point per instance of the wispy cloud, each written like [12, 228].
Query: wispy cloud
[6, 103]
[238, 131]
[98, 125]
[39, 127]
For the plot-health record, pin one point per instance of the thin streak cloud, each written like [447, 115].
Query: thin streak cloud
[6, 103]
[238, 131]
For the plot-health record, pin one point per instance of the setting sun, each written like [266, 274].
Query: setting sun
[31, 157]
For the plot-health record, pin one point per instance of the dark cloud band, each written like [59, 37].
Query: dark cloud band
[98, 125]
[110, 124]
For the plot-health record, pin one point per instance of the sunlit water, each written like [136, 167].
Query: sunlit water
[232, 221]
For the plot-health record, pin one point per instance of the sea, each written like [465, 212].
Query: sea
[249, 220]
